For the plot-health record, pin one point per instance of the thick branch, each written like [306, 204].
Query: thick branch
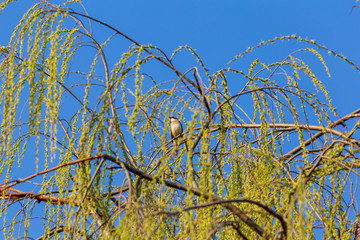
[196, 191]
[13, 194]
[288, 127]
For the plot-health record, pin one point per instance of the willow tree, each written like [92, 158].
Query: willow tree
[86, 154]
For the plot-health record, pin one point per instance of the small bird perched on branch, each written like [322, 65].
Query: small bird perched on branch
[176, 129]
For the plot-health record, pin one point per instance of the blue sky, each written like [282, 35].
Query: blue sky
[219, 30]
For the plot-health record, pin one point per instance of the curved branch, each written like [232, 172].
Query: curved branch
[242, 200]
[196, 191]
[319, 134]
[289, 127]
[6, 186]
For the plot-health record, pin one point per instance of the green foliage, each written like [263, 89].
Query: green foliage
[260, 153]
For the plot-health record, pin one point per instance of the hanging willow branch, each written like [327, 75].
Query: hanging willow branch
[263, 153]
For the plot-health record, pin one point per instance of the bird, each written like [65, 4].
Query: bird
[176, 129]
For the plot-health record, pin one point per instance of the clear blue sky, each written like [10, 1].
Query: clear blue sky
[221, 29]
